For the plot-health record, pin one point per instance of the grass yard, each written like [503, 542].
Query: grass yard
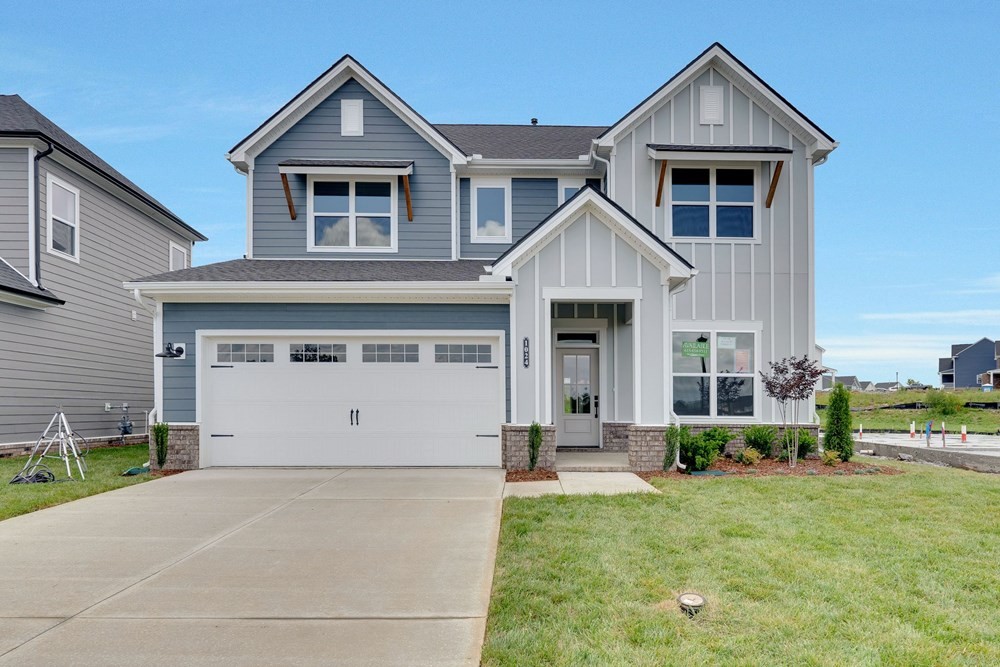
[105, 467]
[888, 570]
[978, 420]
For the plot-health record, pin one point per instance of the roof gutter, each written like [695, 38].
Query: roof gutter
[38, 216]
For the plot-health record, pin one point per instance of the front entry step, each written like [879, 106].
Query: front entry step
[592, 462]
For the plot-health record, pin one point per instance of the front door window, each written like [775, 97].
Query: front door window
[576, 384]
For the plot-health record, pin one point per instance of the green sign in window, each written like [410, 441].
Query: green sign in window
[695, 348]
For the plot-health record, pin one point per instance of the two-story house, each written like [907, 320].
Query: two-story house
[967, 363]
[72, 228]
[415, 294]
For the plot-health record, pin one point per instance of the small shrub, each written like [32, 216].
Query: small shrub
[534, 444]
[719, 436]
[697, 451]
[161, 433]
[838, 435]
[830, 457]
[671, 440]
[748, 456]
[762, 438]
[943, 403]
[807, 442]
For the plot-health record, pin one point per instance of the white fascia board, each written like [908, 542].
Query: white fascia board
[715, 57]
[25, 301]
[718, 156]
[319, 90]
[450, 291]
[349, 171]
[620, 224]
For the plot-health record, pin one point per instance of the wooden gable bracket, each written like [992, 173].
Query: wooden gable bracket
[409, 202]
[774, 183]
[288, 196]
[659, 185]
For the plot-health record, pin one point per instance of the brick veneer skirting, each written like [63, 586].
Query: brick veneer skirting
[183, 448]
[646, 447]
[514, 443]
[614, 436]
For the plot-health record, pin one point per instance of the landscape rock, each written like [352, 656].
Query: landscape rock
[906, 457]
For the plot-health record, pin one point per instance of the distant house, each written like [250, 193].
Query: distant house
[72, 228]
[866, 385]
[992, 377]
[850, 382]
[888, 386]
[968, 363]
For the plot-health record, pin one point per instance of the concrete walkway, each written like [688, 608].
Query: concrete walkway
[578, 483]
[256, 567]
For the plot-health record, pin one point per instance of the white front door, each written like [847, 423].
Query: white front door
[577, 407]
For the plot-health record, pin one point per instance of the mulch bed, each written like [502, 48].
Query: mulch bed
[769, 467]
[531, 475]
[164, 473]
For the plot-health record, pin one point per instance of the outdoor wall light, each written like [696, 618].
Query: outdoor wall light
[691, 603]
[172, 351]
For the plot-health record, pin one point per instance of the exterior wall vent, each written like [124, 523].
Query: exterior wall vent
[352, 118]
[711, 105]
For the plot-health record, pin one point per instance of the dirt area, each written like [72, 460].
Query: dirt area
[531, 475]
[773, 467]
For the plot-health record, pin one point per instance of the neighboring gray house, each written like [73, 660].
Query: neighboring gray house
[71, 230]
[888, 386]
[967, 362]
[850, 382]
[418, 294]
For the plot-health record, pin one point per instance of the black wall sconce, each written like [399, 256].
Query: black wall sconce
[172, 351]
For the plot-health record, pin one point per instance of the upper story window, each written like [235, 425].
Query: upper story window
[352, 215]
[569, 187]
[713, 202]
[179, 257]
[491, 211]
[63, 218]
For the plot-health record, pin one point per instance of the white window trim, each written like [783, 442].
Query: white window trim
[757, 203]
[170, 257]
[311, 215]
[477, 183]
[51, 180]
[713, 375]
[346, 130]
[564, 183]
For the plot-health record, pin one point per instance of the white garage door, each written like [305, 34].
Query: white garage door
[341, 401]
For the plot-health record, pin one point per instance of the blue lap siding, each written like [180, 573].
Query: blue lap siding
[182, 320]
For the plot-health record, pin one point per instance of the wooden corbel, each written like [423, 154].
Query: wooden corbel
[659, 186]
[774, 183]
[288, 196]
[409, 203]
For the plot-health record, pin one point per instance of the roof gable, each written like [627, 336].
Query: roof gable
[612, 215]
[744, 78]
[338, 74]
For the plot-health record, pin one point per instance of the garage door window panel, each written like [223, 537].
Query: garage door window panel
[462, 353]
[390, 353]
[250, 353]
[322, 353]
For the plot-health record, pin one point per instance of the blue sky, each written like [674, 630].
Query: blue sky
[906, 208]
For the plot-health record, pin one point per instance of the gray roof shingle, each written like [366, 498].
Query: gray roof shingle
[522, 142]
[18, 118]
[325, 270]
[13, 282]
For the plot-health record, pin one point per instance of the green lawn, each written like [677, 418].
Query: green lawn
[860, 570]
[105, 467]
[984, 421]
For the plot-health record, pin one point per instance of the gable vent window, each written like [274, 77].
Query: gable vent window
[711, 105]
[352, 118]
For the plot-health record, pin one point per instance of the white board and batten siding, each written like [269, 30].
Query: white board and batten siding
[587, 261]
[765, 279]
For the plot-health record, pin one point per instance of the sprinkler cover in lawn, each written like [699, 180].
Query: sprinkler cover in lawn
[691, 603]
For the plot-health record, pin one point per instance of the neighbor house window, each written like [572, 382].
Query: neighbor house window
[321, 353]
[245, 353]
[714, 373]
[352, 215]
[712, 202]
[179, 258]
[491, 211]
[63, 218]
[390, 353]
[462, 353]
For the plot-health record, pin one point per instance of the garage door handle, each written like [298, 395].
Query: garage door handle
[357, 417]
[487, 367]
[352, 417]
[222, 435]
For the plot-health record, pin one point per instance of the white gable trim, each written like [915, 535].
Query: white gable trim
[747, 82]
[589, 201]
[345, 69]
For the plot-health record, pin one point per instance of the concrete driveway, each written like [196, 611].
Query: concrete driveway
[255, 566]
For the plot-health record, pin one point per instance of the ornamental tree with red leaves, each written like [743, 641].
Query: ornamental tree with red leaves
[791, 381]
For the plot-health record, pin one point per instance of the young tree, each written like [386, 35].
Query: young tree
[791, 381]
[838, 437]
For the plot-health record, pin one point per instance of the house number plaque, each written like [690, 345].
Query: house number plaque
[526, 360]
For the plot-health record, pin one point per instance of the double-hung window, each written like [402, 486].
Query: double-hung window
[714, 374]
[713, 202]
[63, 218]
[491, 211]
[352, 215]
